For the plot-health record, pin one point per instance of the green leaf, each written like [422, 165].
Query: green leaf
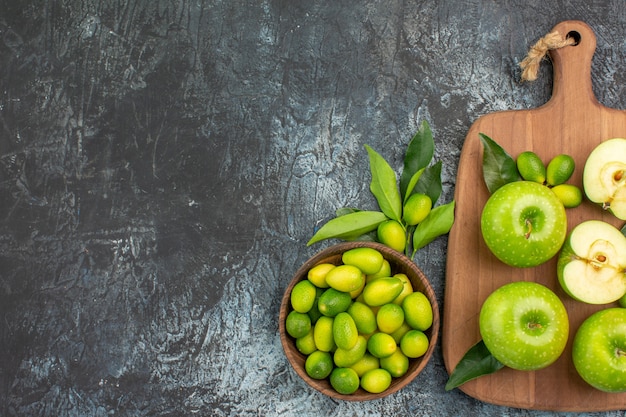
[476, 362]
[438, 222]
[418, 155]
[349, 226]
[499, 167]
[430, 182]
[412, 184]
[384, 185]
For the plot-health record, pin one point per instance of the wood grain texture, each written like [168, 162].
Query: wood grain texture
[571, 122]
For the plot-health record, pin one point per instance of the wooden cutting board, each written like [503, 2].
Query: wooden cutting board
[571, 122]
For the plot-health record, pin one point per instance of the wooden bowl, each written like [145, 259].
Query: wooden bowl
[399, 264]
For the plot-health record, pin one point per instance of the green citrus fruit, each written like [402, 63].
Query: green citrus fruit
[318, 365]
[344, 380]
[416, 208]
[348, 357]
[396, 364]
[333, 302]
[306, 344]
[314, 312]
[323, 334]
[363, 317]
[560, 169]
[402, 330]
[392, 234]
[382, 291]
[317, 274]
[297, 324]
[389, 318]
[345, 278]
[383, 272]
[418, 312]
[303, 296]
[381, 345]
[344, 331]
[570, 195]
[531, 168]
[414, 344]
[406, 289]
[368, 260]
[376, 381]
[366, 363]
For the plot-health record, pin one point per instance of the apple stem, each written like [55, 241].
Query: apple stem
[619, 352]
[529, 226]
[535, 325]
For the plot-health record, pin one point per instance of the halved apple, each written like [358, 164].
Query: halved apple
[604, 176]
[592, 263]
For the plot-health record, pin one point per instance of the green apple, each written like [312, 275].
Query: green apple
[604, 176]
[524, 325]
[592, 263]
[524, 223]
[599, 350]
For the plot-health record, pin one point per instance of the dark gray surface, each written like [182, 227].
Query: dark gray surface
[163, 163]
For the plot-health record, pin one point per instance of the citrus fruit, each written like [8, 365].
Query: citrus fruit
[381, 345]
[368, 260]
[414, 344]
[366, 363]
[318, 365]
[306, 343]
[416, 208]
[560, 169]
[376, 380]
[323, 334]
[345, 333]
[397, 335]
[345, 278]
[314, 312]
[382, 291]
[383, 272]
[392, 234]
[389, 318]
[363, 317]
[570, 195]
[418, 312]
[396, 364]
[355, 293]
[406, 289]
[344, 380]
[333, 302]
[297, 324]
[530, 167]
[303, 296]
[317, 274]
[348, 357]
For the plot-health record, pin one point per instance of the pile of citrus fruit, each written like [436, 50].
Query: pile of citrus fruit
[358, 323]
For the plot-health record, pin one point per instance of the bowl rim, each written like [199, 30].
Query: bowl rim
[403, 264]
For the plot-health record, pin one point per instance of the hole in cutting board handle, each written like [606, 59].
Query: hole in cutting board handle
[574, 35]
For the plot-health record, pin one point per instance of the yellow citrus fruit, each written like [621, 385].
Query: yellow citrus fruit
[381, 345]
[418, 312]
[297, 324]
[318, 365]
[392, 234]
[570, 195]
[406, 289]
[402, 330]
[363, 317]
[366, 363]
[303, 296]
[368, 260]
[414, 344]
[348, 357]
[383, 272]
[344, 380]
[345, 278]
[396, 364]
[382, 291]
[323, 334]
[530, 167]
[317, 274]
[416, 208]
[333, 302]
[560, 169]
[376, 381]
[306, 344]
[389, 318]
[344, 331]
[355, 293]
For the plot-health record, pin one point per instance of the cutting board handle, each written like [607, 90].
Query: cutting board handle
[572, 65]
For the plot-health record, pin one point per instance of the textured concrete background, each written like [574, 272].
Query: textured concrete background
[163, 163]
